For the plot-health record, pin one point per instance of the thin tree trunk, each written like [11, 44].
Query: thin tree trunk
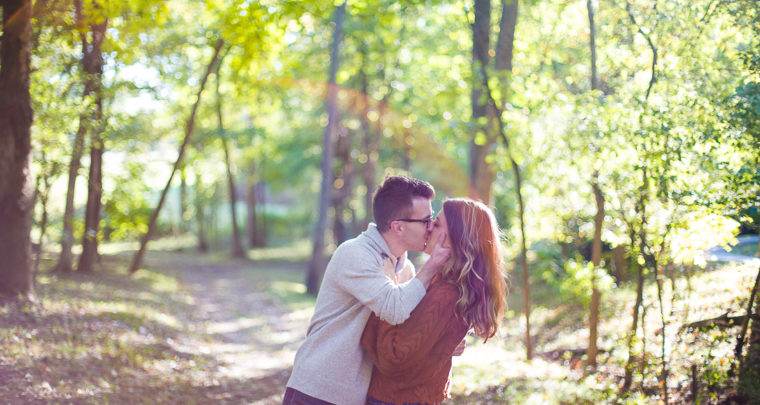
[15, 149]
[369, 139]
[183, 220]
[596, 259]
[264, 224]
[200, 214]
[665, 370]
[318, 263]
[343, 185]
[750, 364]
[237, 243]
[44, 195]
[592, 44]
[523, 261]
[628, 378]
[252, 229]
[137, 259]
[596, 251]
[93, 66]
[66, 258]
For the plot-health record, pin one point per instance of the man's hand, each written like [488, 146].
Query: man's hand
[438, 257]
[440, 254]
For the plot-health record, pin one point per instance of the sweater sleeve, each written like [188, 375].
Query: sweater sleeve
[395, 348]
[360, 275]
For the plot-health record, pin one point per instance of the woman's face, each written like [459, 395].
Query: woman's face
[439, 226]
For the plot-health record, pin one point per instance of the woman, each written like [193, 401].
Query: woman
[412, 361]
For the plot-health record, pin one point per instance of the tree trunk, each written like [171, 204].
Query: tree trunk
[749, 376]
[524, 262]
[252, 225]
[481, 174]
[343, 185]
[15, 149]
[262, 196]
[369, 139]
[92, 212]
[66, 258]
[237, 243]
[596, 259]
[93, 67]
[183, 220]
[200, 214]
[498, 130]
[44, 196]
[505, 46]
[137, 259]
[592, 44]
[628, 378]
[318, 263]
[596, 250]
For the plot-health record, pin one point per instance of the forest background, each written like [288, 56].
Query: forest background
[617, 142]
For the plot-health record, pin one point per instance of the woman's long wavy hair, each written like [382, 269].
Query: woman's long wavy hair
[476, 265]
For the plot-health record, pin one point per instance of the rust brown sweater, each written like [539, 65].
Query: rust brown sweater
[412, 361]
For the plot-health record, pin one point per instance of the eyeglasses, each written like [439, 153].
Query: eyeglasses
[425, 221]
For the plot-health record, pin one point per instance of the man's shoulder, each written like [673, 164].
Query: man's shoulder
[356, 250]
[359, 246]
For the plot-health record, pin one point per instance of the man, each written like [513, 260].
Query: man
[331, 367]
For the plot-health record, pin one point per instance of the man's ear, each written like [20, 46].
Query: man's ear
[397, 227]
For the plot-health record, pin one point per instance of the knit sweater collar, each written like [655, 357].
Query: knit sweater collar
[376, 239]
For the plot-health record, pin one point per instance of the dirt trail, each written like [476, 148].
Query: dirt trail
[252, 338]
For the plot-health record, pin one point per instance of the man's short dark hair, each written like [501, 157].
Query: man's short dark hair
[393, 199]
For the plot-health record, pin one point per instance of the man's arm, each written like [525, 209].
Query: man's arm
[358, 272]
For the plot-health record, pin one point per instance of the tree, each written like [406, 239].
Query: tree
[93, 69]
[15, 149]
[89, 61]
[481, 173]
[237, 243]
[317, 263]
[138, 257]
[596, 255]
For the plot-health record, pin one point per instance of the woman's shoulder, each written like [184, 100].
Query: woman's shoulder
[443, 289]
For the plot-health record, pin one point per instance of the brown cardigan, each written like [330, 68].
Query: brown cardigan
[412, 361]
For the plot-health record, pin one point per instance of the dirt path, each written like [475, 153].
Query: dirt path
[252, 338]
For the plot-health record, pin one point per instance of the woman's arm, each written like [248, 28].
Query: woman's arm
[395, 348]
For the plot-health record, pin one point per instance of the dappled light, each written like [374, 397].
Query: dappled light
[181, 180]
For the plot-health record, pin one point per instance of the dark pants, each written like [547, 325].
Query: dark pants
[295, 397]
[373, 401]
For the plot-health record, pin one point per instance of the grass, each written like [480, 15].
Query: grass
[97, 338]
[497, 372]
[111, 338]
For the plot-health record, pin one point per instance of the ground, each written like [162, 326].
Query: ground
[196, 330]
[192, 328]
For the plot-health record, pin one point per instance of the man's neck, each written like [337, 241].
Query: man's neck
[397, 250]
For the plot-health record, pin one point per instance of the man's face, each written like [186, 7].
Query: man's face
[415, 230]
[440, 225]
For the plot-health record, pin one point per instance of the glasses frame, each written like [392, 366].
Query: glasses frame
[427, 221]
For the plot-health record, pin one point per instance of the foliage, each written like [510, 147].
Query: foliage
[673, 145]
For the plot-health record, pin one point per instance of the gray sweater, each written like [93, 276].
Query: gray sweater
[330, 364]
